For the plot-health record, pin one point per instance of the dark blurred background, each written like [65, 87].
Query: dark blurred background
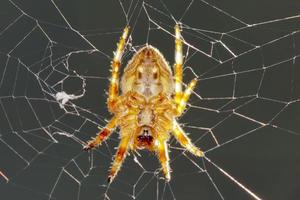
[244, 52]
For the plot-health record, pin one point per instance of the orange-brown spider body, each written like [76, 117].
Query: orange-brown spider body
[150, 101]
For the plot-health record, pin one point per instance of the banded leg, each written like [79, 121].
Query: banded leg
[102, 135]
[116, 63]
[185, 141]
[163, 156]
[178, 65]
[185, 97]
[119, 158]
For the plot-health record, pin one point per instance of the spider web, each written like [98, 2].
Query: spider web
[244, 112]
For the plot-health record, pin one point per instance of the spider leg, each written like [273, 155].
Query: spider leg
[185, 141]
[119, 157]
[185, 97]
[178, 65]
[102, 135]
[116, 63]
[163, 156]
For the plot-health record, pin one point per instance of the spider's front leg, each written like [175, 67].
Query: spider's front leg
[116, 63]
[185, 141]
[102, 135]
[120, 156]
[163, 156]
[162, 127]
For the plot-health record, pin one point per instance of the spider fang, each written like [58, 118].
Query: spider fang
[145, 138]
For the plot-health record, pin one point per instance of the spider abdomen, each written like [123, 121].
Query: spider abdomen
[148, 74]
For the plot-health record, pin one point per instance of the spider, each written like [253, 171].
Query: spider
[150, 101]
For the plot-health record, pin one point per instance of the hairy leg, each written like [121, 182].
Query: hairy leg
[119, 157]
[102, 135]
[178, 65]
[185, 141]
[116, 63]
[185, 97]
[163, 156]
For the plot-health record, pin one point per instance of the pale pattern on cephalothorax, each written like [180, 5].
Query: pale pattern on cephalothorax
[150, 101]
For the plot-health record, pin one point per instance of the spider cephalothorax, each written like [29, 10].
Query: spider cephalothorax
[150, 101]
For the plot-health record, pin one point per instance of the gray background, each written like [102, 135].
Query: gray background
[266, 160]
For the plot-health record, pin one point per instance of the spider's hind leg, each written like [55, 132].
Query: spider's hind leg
[180, 97]
[185, 97]
[116, 63]
[178, 71]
